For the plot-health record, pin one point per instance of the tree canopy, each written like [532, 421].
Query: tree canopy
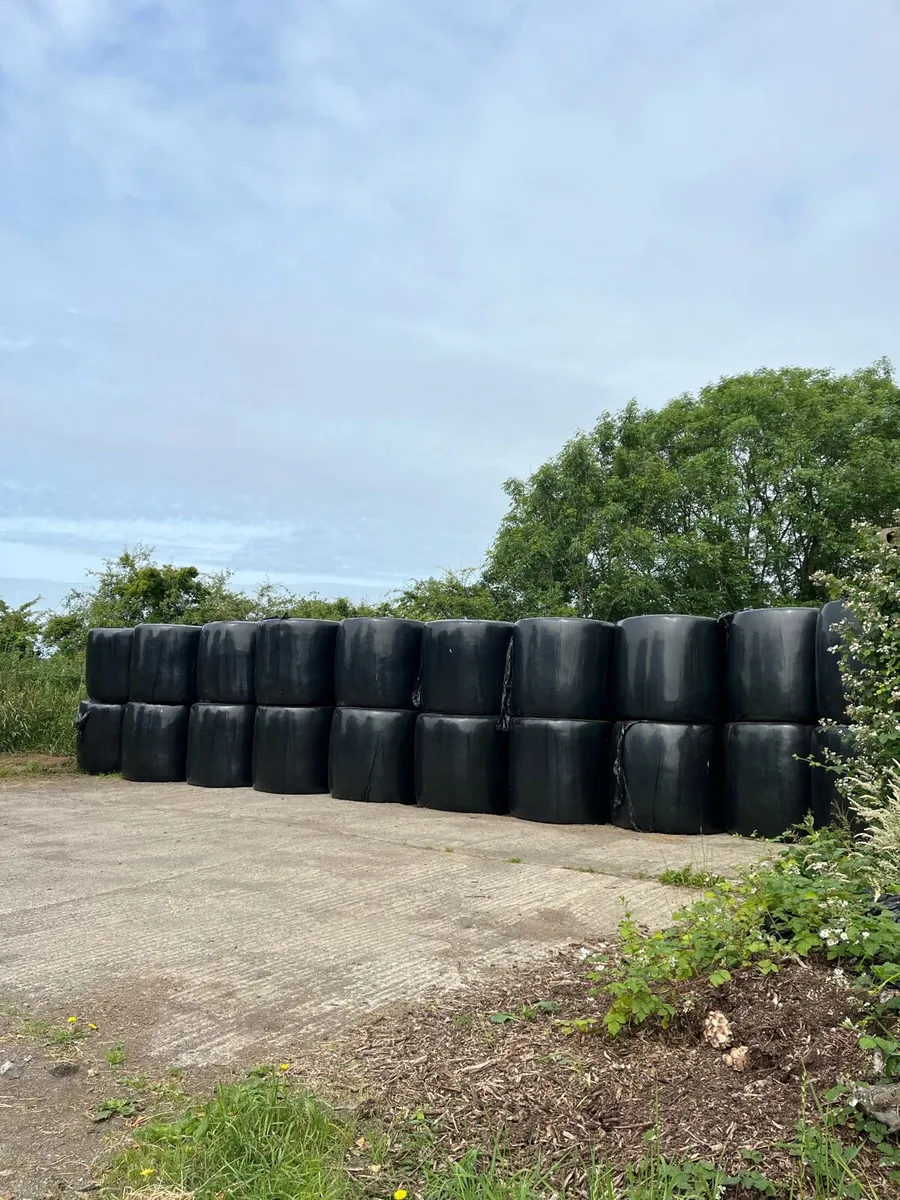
[736, 497]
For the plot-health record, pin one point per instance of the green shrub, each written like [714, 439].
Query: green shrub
[38, 703]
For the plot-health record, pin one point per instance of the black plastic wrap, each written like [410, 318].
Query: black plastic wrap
[461, 764]
[372, 755]
[464, 666]
[830, 694]
[226, 663]
[669, 668]
[107, 664]
[164, 664]
[154, 742]
[295, 662]
[827, 802]
[290, 750]
[562, 667]
[767, 777]
[559, 770]
[98, 737]
[377, 662]
[667, 778]
[771, 665]
[220, 745]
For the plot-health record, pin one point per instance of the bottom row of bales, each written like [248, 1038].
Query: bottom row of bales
[661, 777]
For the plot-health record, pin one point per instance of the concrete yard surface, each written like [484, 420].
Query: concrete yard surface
[225, 922]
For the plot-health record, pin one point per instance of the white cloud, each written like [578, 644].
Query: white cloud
[286, 266]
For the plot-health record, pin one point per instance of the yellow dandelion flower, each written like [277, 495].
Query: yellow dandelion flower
[91, 1026]
[401, 1194]
[71, 1020]
[147, 1171]
[284, 1067]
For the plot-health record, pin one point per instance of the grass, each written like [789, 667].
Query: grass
[689, 877]
[266, 1138]
[38, 704]
[115, 1055]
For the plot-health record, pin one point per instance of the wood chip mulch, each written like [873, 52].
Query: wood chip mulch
[547, 1091]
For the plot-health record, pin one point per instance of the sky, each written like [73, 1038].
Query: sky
[291, 287]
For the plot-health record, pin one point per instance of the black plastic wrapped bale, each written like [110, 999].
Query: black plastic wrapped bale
[562, 668]
[164, 664]
[372, 755]
[220, 745]
[295, 662]
[107, 663]
[377, 662]
[559, 770]
[464, 666]
[98, 737]
[226, 663]
[154, 742]
[830, 695]
[829, 742]
[290, 750]
[771, 665]
[667, 778]
[767, 777]
[461, 764]
[669, 668]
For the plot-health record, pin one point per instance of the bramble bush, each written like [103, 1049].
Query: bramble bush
[870, 661]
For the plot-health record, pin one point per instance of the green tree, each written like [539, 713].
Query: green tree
[20, 629]
[453, 596]
[739, 496]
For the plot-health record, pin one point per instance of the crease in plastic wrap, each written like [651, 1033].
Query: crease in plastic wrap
[377, 662]
[220, 745]
[461, 764]
[771, 665]
[559, 770]
[768, 785]
[464, 667]
[562, 667]
[670, 668]
[107, 665]
[98, 737]
[154, 742]
[295, 662]
[827, 802]
[226, 663]
[164, 664]
[372, 755]
[831, 697]
[290, 749]
[667, 777]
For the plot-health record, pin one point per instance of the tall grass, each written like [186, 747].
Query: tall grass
[38, 703]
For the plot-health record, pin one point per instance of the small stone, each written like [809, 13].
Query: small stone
[737, 1058]
[9, 1070]
[64, 1068]
[717, 1031]
[881, 1101]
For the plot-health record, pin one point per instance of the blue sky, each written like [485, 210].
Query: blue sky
[292, 286]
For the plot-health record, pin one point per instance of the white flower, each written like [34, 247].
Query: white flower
[864, 934]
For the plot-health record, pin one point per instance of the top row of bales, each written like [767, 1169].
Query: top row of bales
[769, 665]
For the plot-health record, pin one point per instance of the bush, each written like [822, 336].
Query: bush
[38, 703]
[870, 661]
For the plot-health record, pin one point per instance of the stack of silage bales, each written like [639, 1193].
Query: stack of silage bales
[669, 672]
[771, 693]
[98, 740]
[372, 737]
[461, 753]
[831, 741]
[295, 699]
[560, 732]
[220, 743]
[162, 688]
